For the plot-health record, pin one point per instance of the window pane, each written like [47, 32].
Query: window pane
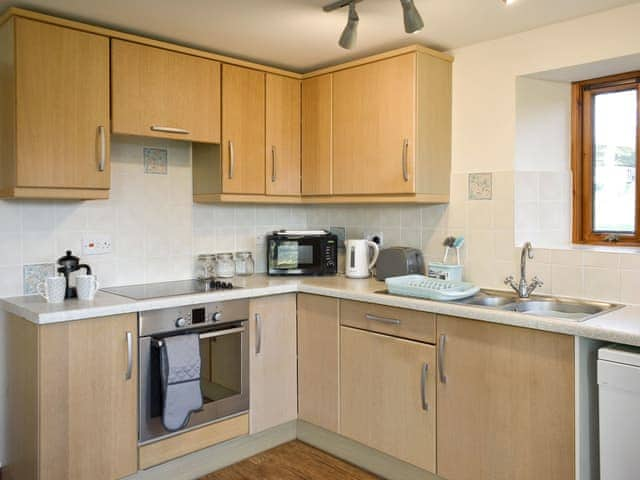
[614, 162]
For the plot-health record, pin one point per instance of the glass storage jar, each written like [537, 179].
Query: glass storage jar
[225, 266]
[206, 267]
[245, 265]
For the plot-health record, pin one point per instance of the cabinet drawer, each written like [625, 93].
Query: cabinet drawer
[394, 321]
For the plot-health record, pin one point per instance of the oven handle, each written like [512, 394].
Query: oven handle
[217, 333]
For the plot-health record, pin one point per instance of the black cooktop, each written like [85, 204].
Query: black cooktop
[169, 289]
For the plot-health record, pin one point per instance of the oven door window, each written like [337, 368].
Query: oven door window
[221, 369]
[293, 255]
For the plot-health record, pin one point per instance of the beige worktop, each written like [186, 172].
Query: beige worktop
[619, 326]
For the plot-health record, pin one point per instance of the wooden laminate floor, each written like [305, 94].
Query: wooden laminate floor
[292, 461]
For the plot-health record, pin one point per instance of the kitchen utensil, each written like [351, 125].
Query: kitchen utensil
[53, 289]
[87, 286]
[396, 261]
[430, 288]
[359, 261]
[448, 243]
[69, 264]
[457, 244]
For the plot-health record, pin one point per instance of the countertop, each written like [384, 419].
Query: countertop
[619, 326]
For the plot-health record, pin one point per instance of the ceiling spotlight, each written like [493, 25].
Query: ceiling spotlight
[509, 2]
[412, 20]
[350, 32]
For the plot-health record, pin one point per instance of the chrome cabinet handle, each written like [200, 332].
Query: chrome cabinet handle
[405, 166]
[441, 342]
[103, 148]
[232, 160]
[160, 128]
[375, 318]
[423, 386]
[129, 338]
[258, 334]
[273, 163]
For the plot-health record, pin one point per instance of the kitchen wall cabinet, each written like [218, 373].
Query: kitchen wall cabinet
[506, 409]
[73, 399]
[316, 136]
[159, 93]
[388, 398]
[319, 361]
[282, 135]
[243, 130]
[272, 364]
[54, 112]
[392, 127]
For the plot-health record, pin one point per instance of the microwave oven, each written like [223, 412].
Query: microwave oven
[302, 252]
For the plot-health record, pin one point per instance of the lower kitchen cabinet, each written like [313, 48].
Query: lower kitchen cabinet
[505, 402]
[272, 362]
[319, 361]
[73, 399]
[388, 397]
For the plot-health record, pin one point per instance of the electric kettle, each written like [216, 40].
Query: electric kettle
[361, 256]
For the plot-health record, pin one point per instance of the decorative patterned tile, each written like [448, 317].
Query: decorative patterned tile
[155, 161]
[35, 274]
[480, 186]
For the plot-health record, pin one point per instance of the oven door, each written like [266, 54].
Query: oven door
[295, 256]
[224, 379]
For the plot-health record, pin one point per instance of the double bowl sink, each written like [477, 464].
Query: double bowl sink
[539, 305]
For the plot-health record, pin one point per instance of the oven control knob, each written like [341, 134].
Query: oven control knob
[216, 317]
[181, 322]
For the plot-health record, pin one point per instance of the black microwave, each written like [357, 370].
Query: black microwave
[302, 252]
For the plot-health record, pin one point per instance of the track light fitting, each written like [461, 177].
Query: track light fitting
[412, 20]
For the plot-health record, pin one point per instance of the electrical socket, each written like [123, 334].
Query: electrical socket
[375, 237]
[96, 244]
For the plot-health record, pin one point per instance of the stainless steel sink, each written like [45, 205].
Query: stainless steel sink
[540, 305]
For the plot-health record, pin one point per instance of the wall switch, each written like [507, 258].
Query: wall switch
[96, 244]
[375, 237]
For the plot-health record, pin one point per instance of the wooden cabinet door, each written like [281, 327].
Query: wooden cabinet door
[319, 361]
[383, 383]
[243, 130]
[273, 371]
[62, 107]
[282, 135]
[159, 93]
[316, 136]
[374, 108]
[88, 414]
[506, 410]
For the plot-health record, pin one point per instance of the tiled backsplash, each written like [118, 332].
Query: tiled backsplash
[157, 230]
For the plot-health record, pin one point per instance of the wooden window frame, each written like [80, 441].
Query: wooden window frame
[582, 162]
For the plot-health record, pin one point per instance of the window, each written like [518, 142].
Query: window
[606, 207]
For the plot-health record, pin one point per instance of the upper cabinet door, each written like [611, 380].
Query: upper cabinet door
[374, 109]
[316, 135]
[243, 130]
[159, 93]
[283, 135]
[62, 107]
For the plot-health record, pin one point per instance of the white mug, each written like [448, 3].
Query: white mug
[53, 289]
[87, 286]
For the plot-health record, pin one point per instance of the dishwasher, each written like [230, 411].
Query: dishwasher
[619, 398]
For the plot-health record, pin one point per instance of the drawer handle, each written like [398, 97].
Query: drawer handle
[375, 318]
[159, 128]
[441, 342]
[423, 386]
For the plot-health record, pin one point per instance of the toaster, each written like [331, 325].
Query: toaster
[397, 261]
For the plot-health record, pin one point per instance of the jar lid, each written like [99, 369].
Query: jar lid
[206, 256]
[243, 254]
[225, 255]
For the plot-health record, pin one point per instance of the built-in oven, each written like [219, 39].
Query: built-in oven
[305, 252]
[224, 353]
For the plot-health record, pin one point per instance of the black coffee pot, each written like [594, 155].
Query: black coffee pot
[69, 264]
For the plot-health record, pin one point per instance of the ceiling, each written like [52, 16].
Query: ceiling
[298, 35]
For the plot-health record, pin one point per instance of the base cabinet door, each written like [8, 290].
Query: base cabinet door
[272, 362]
[505, 402]
[388, 398]
[88, 401]
[319, 361]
